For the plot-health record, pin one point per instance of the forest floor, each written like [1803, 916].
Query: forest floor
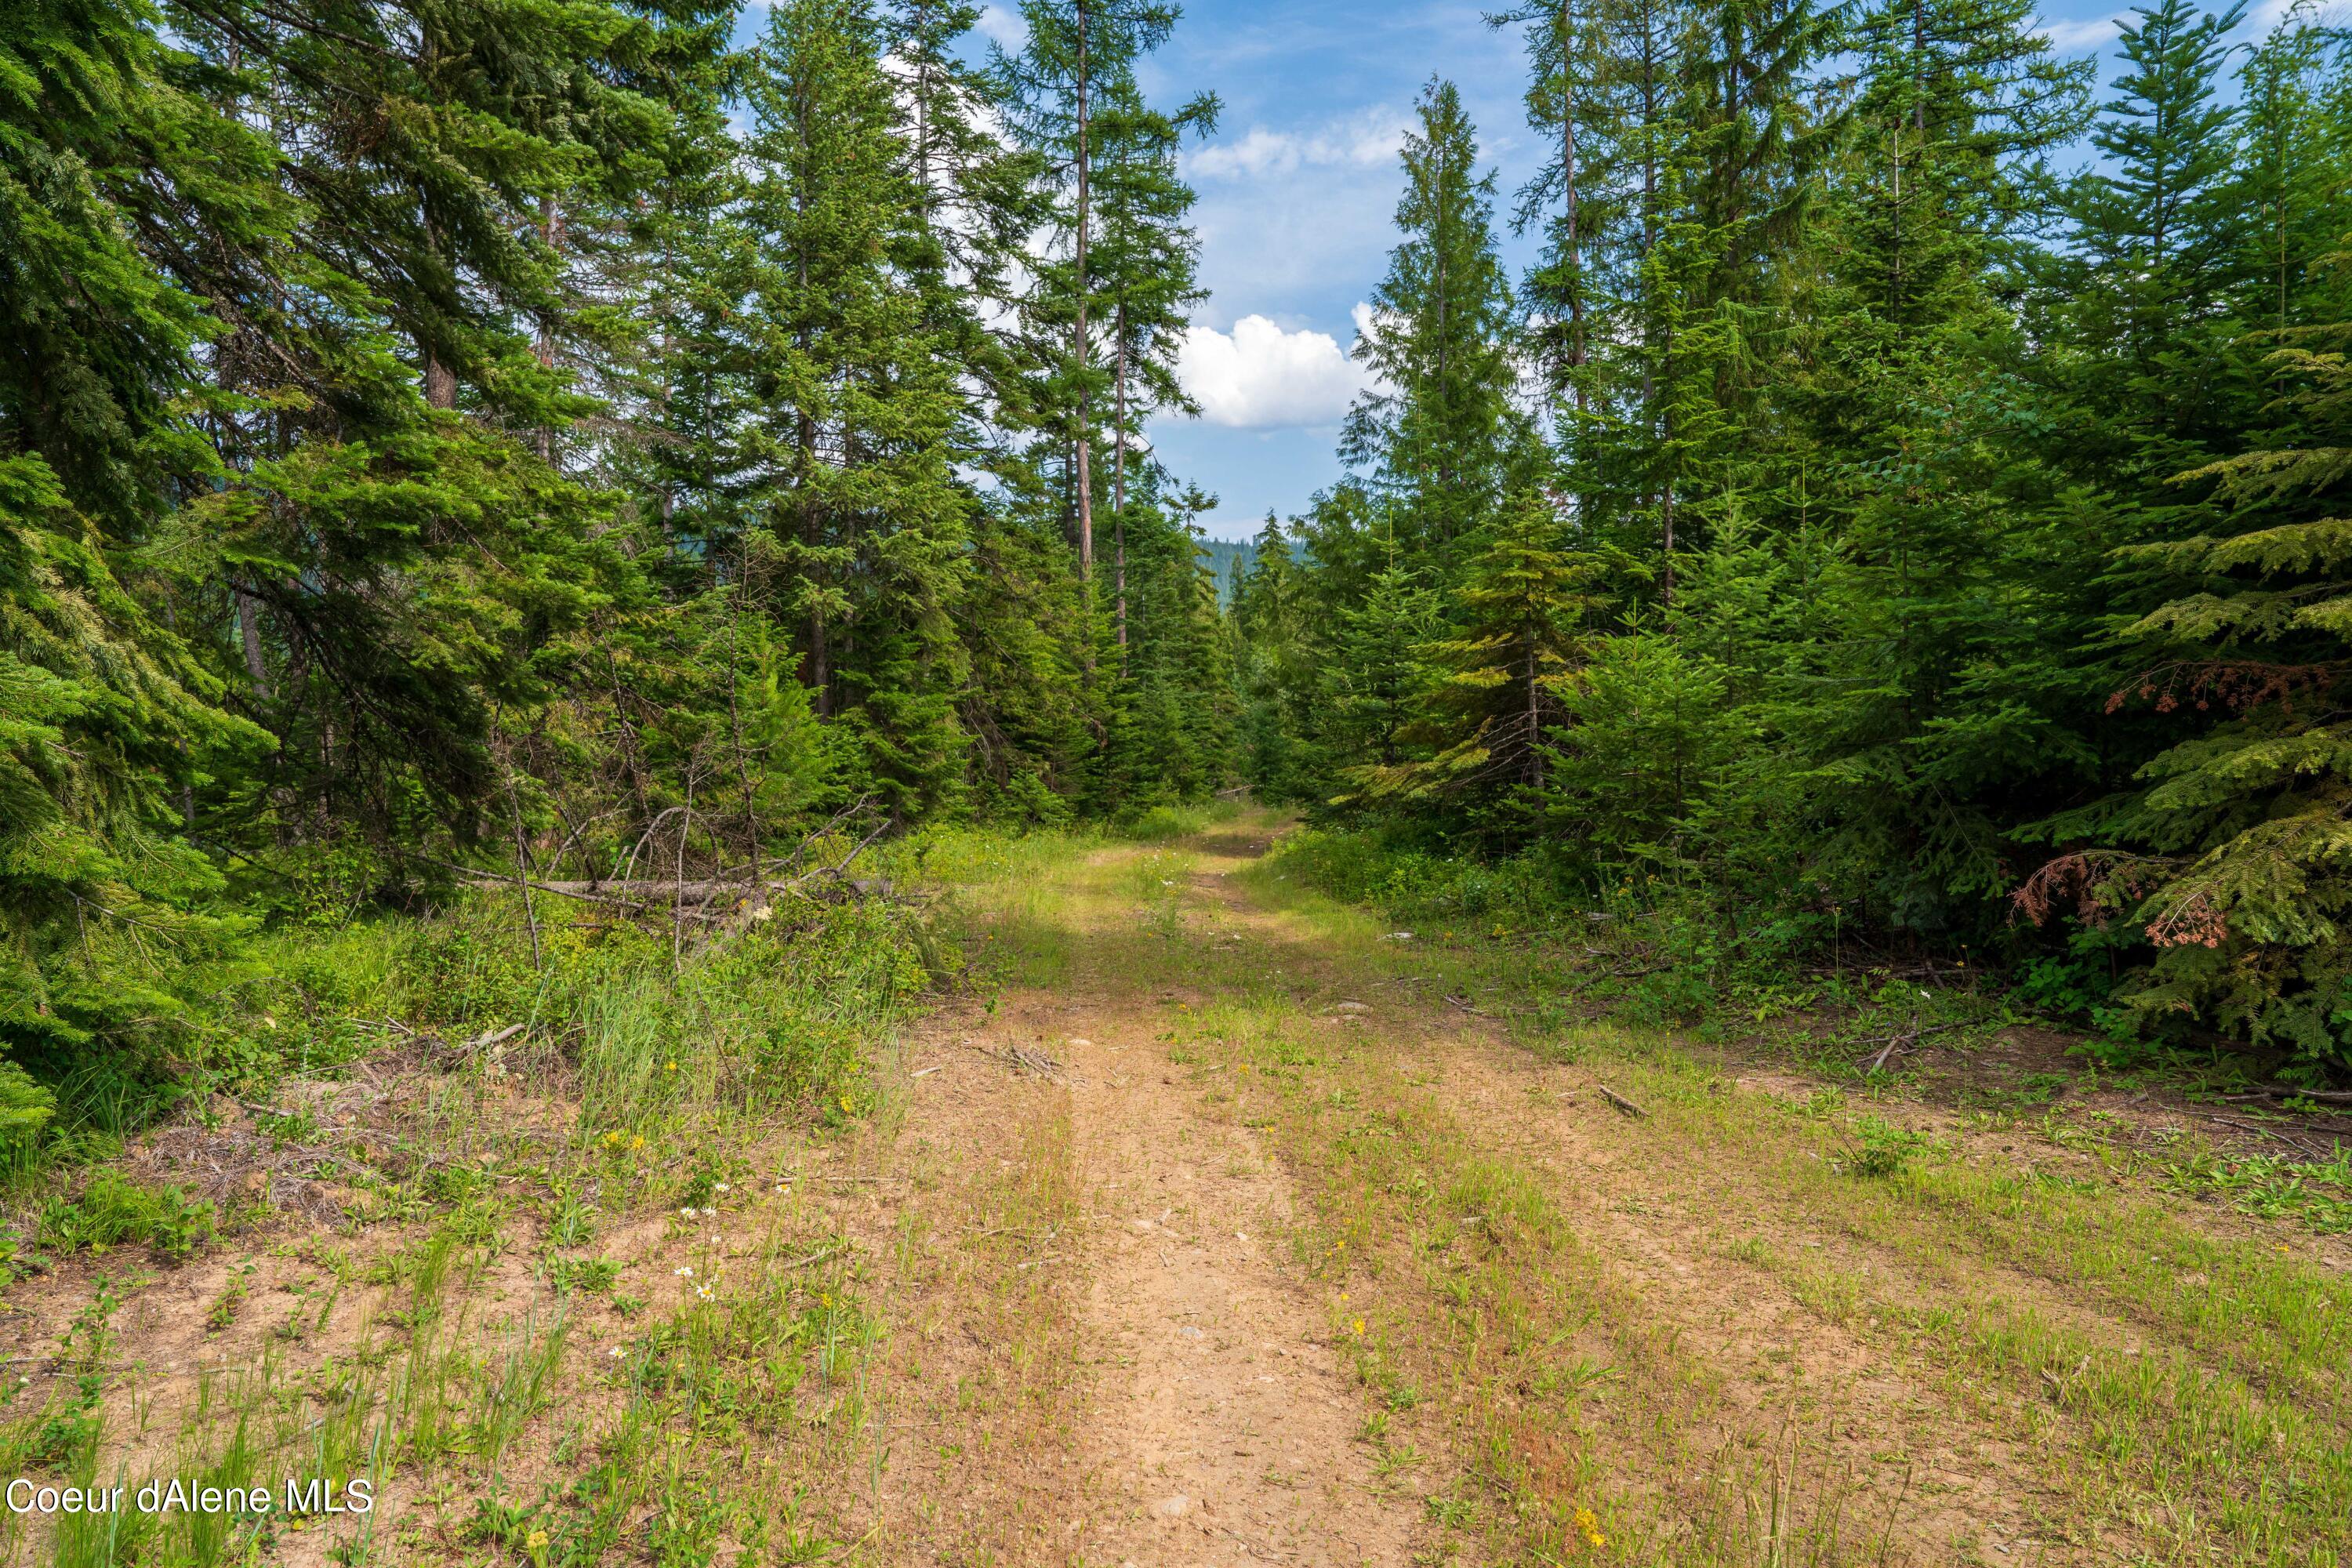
[1226, 1226]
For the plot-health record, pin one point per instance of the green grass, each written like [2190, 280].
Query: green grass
[112, 1210]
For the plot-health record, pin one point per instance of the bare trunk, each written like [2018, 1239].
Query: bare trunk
[1079, 348]
[550, 226]
[248, 632]
[1119, 482]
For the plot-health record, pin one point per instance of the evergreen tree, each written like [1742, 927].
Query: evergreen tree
[1079, 57]
[1519, 608]
[2156, 228]
[1438, 439]
[854, 408]
[107, 916]
[1147, 261]
[2230, 854]
[1570, 195]
[1372, 682]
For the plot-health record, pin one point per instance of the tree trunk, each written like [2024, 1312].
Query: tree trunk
[544, 345]
[248, 632]
[1118, 480]
[1080, 351]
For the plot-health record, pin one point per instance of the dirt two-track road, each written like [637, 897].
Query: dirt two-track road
[1317, 1264]
[1209, 1223]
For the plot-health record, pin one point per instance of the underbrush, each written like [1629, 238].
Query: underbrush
[631, 1042]
[1656, 949]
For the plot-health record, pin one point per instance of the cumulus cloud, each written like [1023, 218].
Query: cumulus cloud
[1364, 141]
[1260, 377]
[1003, 26]
[2088, 33]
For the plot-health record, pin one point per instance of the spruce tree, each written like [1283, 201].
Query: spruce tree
[1437, 438]
[854, 408]
[1079, 56]
[2229, 853]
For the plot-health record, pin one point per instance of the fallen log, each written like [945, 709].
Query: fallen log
[1625, 1106]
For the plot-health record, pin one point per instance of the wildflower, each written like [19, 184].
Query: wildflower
[719, 1187]
[535, 1541]
[1358, 1326]
[684, 1271]
[686, 1213]
[617, 1353]
[702, 1292]
[638, 1142]
[1591, 1526]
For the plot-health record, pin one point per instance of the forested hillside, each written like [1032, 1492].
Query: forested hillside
[544, 441]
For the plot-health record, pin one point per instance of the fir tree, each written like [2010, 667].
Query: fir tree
[1439, 442]
[2230, 856]
[1519, 608]
[856, 409]
[1078, 56]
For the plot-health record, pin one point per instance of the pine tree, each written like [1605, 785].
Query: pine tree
[2156, 228]
[856, 408]
[1438, 441]
[1519, 607]
[1571, 194]
[1146, 263]
[1372, 683]
[2230, 856]
[1275, 660]
[2296, 172]
[108, 917]
[1079, 56]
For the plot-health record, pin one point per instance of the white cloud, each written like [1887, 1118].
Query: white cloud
[1367, 139]
[1003, 27]
[1259, 377]
[2088, 33]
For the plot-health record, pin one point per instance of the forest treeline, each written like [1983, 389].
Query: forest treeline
[544, 438]
[1904, 498]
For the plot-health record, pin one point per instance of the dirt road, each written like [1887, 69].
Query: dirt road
[1353, 1276]
[1217, 1224]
